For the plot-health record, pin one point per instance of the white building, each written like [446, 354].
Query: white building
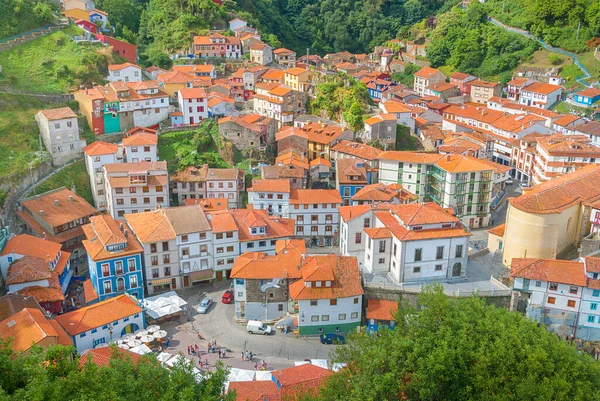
[145, 101]
[193, 105]
[141, 147]
[60, 133]
[236, 23]
[416, 242]
[427, 76]
[402, 112]
[135, 187]
[97, 154]
[201, 183]
[126, 72]
[353, 220]
[316, 214]
[102, 322]
[270, 195]
[329, 295]
[540, 95]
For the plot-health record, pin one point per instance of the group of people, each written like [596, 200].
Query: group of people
[247, 355]
[261, 366]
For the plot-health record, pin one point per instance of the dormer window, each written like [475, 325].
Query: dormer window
[328, 284]
[416, 228]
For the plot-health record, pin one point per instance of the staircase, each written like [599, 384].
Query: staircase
[9, 43]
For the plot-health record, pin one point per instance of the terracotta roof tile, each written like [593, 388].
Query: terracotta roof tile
[104, 231]
[273, 75]
[136, 166]
[100, 148]
[299, 380]
[282, 50]
[153, 226]
[539, 87]
[426, 72]
[550, 270]
[58, 114]
[28, 269]
[29, 326]
[348, 213]
[99, 314]
[119, 67]
[141, 139]
[378, 233]
[259, 265]
[187, 219]
[60, 207]
[192, 93]
[360, 150]
[380, 309]
[383, 193]
[498, 230]
[25, 244]
[89, 292]
[255, 391]
[566, 120]
[295, 71]
[103, 356]
[279, 185]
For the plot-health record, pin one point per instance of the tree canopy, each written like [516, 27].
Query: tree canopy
[461, 349]
[54, 374]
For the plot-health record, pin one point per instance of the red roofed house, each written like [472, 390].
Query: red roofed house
[102, 322]
[261, 53]
[102, 356]
[248, 132]
[217, 45]
[462, 82]
[316, 214]
[425, 77]
[381, 313]
[416, 241]
[96, 155]
[329, 295]
[193, 105]
[561, 294]
[540, 95]
[270, 195]
[126, 72]
[382, 128]
[285, 57]
[141, 146]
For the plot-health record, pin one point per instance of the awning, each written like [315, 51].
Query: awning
[202, 275]
[161, 281]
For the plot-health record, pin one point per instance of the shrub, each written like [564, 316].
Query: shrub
[555, 59]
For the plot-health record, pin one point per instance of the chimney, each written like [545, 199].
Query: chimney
[448, 157]
[121, 226]
[56, 202]
[41, 213]
[71, 199]
[125, 232]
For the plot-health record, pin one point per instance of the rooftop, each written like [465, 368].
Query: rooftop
[153, 226]
[30, 327]
[104, 231]
[25, 244]
[549, 270]
[99, 148]
[58, 114]
[359, 150]
[141, 139]
[58, 207]
[312, 196]
[380, 309]
[539, 87]
[277, 185]
[102, 356]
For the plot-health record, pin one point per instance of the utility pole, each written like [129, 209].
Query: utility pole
[578, 28]
[307, 53]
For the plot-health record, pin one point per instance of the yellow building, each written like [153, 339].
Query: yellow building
[173, 81]
[550, 218]
[77, 13]
[297, 78]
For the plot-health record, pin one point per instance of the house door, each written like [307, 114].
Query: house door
[174, 284]
[219, 275]
[456, 269]
[191, 120]
[186, 281]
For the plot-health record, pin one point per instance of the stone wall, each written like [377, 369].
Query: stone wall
[254, 294]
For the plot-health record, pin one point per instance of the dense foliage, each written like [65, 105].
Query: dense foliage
[55, 375]
[407, 76]
[18, 16]
[555, 21]
[462, 350]
[464, 41]
[341, 98]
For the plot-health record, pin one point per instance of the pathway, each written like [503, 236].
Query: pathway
[546, 46]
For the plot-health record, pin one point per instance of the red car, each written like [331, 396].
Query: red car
[227, 297]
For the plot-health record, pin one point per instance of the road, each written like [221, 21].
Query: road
[278, 350]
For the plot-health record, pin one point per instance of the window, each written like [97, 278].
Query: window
[328, 217]
[381, 260]
[185, 251]
[133, 201]
[591, 319]
[160, 199]
[417, 269]
[356, 300]
[594, 306]
[459, 251]
[314, 302]
[105, 270]
[159, 188]
[167, 271]
[220, 250]
[325, 318]
[133, 282]
[152, 248]
[132, 190]
[119, 267]
[165, 246]
[418, 254]
[219, 236]
[596, 293]
[553, 287]
[229, 234]
[367, 223]
[573, 289]
[230, 248]
[314, 318]
[332, 302]
[551, 300]
[299, 229]
[250, 245]
[314, 229]
[354, 315]
[438, 268]
[538, 283]
[358, 238]
[184, 238]
[119, 201]
[571, 303]
[107, 287]
[439, 254]
[166, 259]
[342, 316]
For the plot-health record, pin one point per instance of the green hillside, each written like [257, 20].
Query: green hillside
[17, 16]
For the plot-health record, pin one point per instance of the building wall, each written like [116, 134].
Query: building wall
[147, 153]
[127, 74]
[327, 221]
[335, 323]
[93, 165]
[154, 262]
[156, 195]
[61, 138]
[194, 110]
[107, 333]
[278, 204]
[133, 280]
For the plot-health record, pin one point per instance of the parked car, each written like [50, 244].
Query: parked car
[227, 297]
[509, 181]
[258, 327]
[524, 185]
[204, 305]
[332, 339]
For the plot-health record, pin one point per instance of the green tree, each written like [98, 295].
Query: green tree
[461, 349]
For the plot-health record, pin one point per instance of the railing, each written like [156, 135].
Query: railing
[451, 293]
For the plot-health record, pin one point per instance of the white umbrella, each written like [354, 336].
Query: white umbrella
[124, 346]
[141, 349]
[160, 334]
[127, 337]
[140, 333]
[147, 338]
[133, 343]
[163, 357]
[153, 328]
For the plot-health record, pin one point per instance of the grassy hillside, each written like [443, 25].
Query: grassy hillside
[54, 63]
[18, 16]
[75, 174]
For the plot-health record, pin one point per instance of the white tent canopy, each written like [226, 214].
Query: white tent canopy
[240, 375]
[263, 375]
[141, 349]
[163, 305]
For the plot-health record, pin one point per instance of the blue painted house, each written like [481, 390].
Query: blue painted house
[114, 259]
[381, 313]
[351, 175]
[378, 87]
[587, 97]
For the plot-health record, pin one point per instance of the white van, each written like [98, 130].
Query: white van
[257, 327]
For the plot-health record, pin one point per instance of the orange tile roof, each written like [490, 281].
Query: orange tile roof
[205, 40]
[558, 194]
[192, 93]
[589, 92]
[403, 234]
[138, 130]
[560, 145]
[461, 163]
[423, 213]
[312, 196]
[319, 161]
[255, 391]
[25, 244]
[498, 230]
[383, 193]
[273, 75]
[175, 77]
[485, 84]
[153, 226]
[566, 120]
[550, 270]
[274, 227]
[295, 71]
[141, 139]
[517, 123]
[70, 207]
[209, 204]
[426, 72]
[539, 87]
[290, 245]
[89, 292]
[292, 158]
[58, 114]
[103, 356]
[99, 314]
[341, 270]
[279, 185]
[395, 107]
[518, 81]
[103, 231]
[283, 50]
[592, 264]
[100, 148]
[381, 309]
[118, 67]
[29, 327]
[298, 381]
[360, 150]
[259, 265]
[135, 166]
[288, 131]
[410, 157]
[28, 269]
[459, 76]
[280, 90]
[378, 233]
[348, 213]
